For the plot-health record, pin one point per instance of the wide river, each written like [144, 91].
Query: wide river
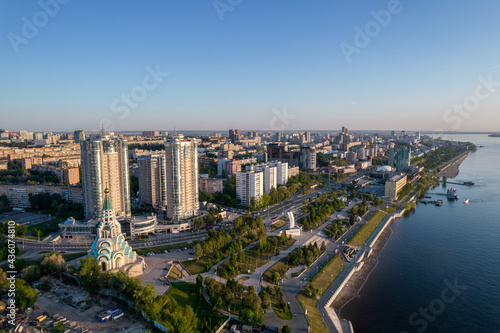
[440, 270]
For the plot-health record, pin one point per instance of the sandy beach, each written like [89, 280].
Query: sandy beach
[452, 170]
[353, 289]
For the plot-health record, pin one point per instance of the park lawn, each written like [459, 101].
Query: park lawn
[392, 209]
[195, 267]
[277, 267]
[46, 227]
[174, 273]
[313, 317]
[185, 294]
[367, 230]
[328, 273]
[278, 224]
[285, 314]
[163, 248]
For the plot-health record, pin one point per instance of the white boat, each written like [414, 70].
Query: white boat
[466, 202]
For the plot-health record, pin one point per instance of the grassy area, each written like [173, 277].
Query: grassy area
[367, 230]
[174, 273]
[163, 248]
[278, 224]
[195, 267]
[285, 314]
[73, 256]
[46, 227]
[185, 294]
[253, 260]
[328, 273]
[392, 209]
[279, 267]
[315, 321]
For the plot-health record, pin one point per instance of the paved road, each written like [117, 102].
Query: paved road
[82, 244]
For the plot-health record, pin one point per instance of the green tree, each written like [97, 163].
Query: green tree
[198, 250]
[199, 284]
[323, 247]
[59, 327]
[53, 263]
[88, 274]
[30, 273]
[286, 329]
[266, 299]
[25, 295]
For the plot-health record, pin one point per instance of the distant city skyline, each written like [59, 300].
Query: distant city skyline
[274, 66]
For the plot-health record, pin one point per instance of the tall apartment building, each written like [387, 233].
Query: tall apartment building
[105, 165]
[234, 134]
[281, 172]
[181, 158]
[249, 184]
[308, 158]
[269, 173]
[400, 158]
[79, 136]
[153, 180]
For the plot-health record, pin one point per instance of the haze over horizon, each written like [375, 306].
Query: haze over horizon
[387, 65]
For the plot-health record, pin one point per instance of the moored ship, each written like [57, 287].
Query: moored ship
[452, 193]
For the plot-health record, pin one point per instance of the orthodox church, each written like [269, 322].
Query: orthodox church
[110, 247]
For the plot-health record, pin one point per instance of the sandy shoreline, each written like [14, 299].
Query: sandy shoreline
[452, 170]
[354, 287]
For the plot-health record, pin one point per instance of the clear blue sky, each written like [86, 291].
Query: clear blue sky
[263, 56]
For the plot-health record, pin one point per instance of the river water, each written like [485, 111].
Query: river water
[440, 270]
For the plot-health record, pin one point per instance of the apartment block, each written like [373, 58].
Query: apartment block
[153, 180]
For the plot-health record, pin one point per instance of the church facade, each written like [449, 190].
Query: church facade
[110, 248]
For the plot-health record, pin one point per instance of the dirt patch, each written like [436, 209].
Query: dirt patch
[77, 310]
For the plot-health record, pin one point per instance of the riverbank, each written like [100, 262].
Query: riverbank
[452, 170]
[353, 289]
[354, 285]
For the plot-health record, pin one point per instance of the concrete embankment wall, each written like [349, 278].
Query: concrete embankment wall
[366, 250]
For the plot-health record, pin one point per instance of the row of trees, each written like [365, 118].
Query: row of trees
[319, 211]
[435, 158]
[55, 204]
[237, 298]
[303, 255]
[16, 174]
